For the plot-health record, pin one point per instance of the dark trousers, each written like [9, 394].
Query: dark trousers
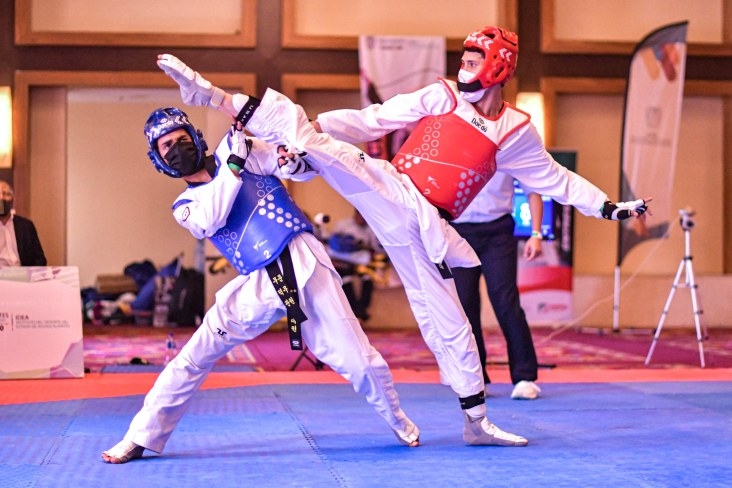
[498, 252]
[359, 304]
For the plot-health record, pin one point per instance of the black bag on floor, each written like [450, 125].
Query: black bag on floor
[187, 299]
[141, 272]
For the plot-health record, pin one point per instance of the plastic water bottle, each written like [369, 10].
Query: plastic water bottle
[171, 350]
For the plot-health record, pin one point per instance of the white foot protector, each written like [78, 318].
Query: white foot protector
[410, 436]
[481, 432]
[123, 452]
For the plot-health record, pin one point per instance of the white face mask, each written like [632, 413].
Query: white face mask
[465, 76]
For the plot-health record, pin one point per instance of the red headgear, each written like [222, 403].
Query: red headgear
[500, 48]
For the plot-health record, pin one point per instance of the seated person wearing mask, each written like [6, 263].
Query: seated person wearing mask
[19, 242]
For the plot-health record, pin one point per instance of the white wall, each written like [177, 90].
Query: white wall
[592, 125]
[119, 207]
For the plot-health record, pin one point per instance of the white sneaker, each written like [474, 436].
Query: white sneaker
[481, 432]
[525, 390]
[410, 436]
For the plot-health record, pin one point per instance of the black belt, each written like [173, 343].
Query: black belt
[286, 286]
[444, 270]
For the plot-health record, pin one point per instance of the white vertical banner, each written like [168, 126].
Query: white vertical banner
[653, 100]
[651, 130]
[390, 65]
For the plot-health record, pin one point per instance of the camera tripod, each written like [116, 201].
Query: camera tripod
[307, 355]
[689, 282]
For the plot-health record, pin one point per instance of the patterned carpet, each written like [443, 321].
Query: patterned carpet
[109, 347]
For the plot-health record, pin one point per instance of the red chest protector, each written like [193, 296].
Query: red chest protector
[451, 157]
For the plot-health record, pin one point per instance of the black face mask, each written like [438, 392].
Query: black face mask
[183, 157]
[5, 207]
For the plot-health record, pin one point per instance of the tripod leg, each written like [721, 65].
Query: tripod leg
[700, 308]
[317, 364]
[697, 311]
[665, 311]
[297, 361]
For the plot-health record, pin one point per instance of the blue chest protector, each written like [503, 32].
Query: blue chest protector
[262, 221]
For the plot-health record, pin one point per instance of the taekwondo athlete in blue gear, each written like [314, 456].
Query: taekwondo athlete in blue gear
[421, 245]
[248, 305]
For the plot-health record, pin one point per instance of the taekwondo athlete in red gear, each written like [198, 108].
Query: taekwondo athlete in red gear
[466, 132]
[421, 245]
[247, 213]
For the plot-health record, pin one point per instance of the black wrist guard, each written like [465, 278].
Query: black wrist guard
[235, 162]
[247, 111]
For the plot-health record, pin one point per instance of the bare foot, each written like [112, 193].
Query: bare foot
[123, 452]
[409, 437]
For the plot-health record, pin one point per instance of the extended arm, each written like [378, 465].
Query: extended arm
[524, 157]
[532, 249]
[195, 90]
[377, 120]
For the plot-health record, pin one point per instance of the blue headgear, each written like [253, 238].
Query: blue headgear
[163, 121]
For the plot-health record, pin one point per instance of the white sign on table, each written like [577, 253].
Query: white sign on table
[41, 334]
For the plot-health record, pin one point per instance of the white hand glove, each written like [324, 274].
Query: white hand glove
[194, 89]
[240, 144]
[292, 162]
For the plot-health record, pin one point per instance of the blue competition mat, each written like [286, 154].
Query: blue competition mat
[588, 434]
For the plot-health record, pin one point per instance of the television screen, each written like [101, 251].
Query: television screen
[522, 215]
